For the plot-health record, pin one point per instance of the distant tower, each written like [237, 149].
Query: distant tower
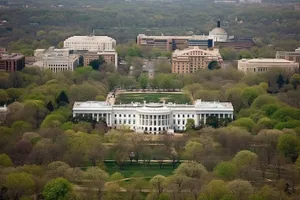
[236, 19]
[219, 24]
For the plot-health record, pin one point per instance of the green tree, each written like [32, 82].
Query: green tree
[289, 146]
[190, 124]
[19, 184]
[214, 190]
[157, 183]
[5, 161]
[280, 81]
[143, 80]
[225, 170]
[57, 189]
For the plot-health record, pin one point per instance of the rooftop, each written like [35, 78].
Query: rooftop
[90, 105]
[163, 37]
[89, 38]
[11, 56]
[266, 60]
[178, 52]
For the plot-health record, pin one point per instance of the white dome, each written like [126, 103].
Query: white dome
[218, 31]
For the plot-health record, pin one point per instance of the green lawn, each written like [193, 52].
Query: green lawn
[152, 97]
[138, 169]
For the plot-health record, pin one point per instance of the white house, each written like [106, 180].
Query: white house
[153, 118]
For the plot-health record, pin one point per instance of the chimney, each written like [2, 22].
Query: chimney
[219, 24]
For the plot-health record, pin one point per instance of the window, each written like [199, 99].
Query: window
[133, 115]
[119, 115]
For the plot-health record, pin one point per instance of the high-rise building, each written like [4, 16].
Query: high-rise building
[192, 59]
[11, 62]
[266, 64]
[90, 43]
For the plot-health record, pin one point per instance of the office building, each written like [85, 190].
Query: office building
[192, 59]
[90, 43]
[11, 62]
[152, 118]
[170, 43]
[289, 55]
[57, 60]
[110, 57]
[265, 64]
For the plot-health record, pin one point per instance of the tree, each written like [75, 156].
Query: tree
[19, 184]
[96, 64]
[157, 183]
[245, 161]
[143, 80]
[193, 150]
[213, 65]
[5, 161]
[214, 190]
[50, 106]
[191, 169]
[96, 152]
[225, 170]
[57, 189]
[280, 81]
[240, 189]
[244, 122]
[190, 124]
[116, 176]
[289, 146]
[269, 141]
[62, 99]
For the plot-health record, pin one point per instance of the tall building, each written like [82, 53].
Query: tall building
[266, 64]
[192, 59]
[11, 62]
[170, 43]
[110, 57]
[57, 60]
[289, 55]
[90, 43]
[153, 118]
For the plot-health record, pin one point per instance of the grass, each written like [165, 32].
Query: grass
[152, 97]
[139, 169]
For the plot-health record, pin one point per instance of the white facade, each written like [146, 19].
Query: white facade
[265, 64]
[58, 60]
[90, 43]
[153, 118]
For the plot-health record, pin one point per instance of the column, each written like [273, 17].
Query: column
[219, 116]
[205, 118]
[196, 120]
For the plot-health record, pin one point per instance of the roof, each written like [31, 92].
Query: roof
[214, 52]
[88, 38]
[12, 56]
[91, 104]
[266, 60]
[218, 31]
[163, 37]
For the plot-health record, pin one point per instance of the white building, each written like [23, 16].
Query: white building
[259, 65]
[218, 34]
[56, 59]
[90, 43]
[153, 117]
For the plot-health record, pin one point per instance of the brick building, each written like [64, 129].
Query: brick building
[11, 62]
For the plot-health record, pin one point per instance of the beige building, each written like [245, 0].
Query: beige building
[57, 60]
[90, 43]
[192, 59]
[110, 57]
[266, 64]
